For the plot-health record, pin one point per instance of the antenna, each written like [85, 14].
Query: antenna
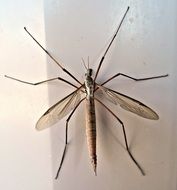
[84, 64]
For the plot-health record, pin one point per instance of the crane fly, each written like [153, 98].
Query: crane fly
[70, 103]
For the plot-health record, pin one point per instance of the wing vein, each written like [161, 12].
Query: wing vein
[128, 103]
[59, 110]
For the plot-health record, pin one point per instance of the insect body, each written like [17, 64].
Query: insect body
[90, 118]
[70, 103]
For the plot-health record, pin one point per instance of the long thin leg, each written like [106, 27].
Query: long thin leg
[66, 71]
[66, 138]
[44, 81]
[101, 61]
[125, 137]
[135, 79]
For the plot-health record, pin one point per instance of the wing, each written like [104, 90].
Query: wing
[129, 104]
[59, 110]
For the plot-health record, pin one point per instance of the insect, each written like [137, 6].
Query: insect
[71, 102]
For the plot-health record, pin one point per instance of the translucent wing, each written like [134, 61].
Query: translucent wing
[129, 103]
[59, 110]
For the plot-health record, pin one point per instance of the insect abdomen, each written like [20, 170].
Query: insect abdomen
[91, 131]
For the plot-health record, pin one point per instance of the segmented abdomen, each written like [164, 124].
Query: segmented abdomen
[91, 131]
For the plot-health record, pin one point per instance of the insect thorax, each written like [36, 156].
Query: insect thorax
[89, 85]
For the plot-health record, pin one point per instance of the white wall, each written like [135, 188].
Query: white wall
[146, 46]
[24, 151]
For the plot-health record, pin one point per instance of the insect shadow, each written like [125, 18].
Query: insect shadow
[86, 91]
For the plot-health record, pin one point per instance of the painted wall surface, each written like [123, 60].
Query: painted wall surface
[72, 30]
